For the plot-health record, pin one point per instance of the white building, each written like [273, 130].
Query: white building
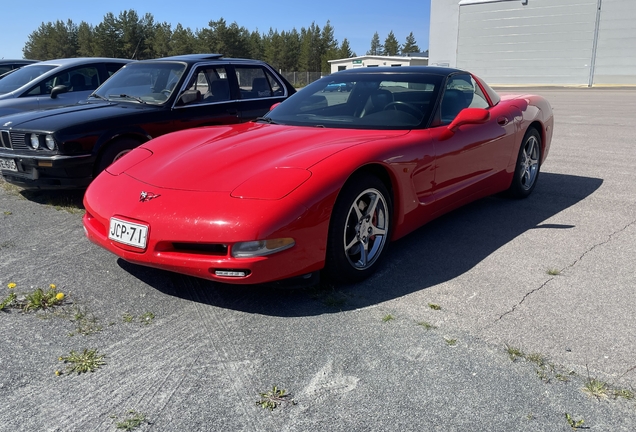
[558, 42]
[374, 61]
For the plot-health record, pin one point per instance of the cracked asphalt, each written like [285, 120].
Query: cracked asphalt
[536, 299]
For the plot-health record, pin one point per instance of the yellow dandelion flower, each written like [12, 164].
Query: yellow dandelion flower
[12, 285]
[58, 373]
[59, 296]
[61, 358]
[52, 286]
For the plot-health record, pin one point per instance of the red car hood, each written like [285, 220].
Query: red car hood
[221, 158]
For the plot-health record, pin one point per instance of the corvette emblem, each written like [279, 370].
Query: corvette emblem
[147, 196]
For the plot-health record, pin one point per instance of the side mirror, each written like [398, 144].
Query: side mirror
[466, 116]
[58, 89]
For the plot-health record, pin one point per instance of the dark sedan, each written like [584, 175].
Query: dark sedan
[67, 147]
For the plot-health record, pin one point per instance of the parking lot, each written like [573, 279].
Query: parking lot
[495, 317]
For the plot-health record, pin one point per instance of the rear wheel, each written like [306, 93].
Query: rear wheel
[114, 151]
[528, 165]
[359, 229]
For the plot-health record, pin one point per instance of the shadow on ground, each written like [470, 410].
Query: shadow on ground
[436, 253]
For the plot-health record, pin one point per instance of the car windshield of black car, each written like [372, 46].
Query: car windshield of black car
[364, 101]
[145, 82]
[23, 76]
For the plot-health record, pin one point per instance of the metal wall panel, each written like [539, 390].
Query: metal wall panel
[616, 47]
[541, 42]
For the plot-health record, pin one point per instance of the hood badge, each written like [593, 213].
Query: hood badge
[147, 196]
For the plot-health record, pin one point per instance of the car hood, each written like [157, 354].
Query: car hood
[223, 157]
[54, 119]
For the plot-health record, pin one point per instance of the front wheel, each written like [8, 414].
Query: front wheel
[528, 165]
[359, 229]
[114, 151]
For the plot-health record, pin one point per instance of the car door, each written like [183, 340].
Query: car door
[208, 99]
[259, 89]
[467, 161]
[78, 80]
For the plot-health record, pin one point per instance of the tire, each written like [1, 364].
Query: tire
[114, 151]
[528, 165]
[358, 237]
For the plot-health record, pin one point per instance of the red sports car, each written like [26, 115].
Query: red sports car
[324, 181]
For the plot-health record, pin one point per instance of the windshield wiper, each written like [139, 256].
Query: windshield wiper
[265, 119]
[137, 98]
[95, 95]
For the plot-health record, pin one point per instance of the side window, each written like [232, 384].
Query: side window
[208, 84]
[461, 92]
[255, 82]
[111, 68]
[78, 79]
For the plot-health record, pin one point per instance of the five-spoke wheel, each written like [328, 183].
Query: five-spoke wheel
[528, 164]
[359, 230]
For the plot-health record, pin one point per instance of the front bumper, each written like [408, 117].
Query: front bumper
[193, 232]
[49, 172]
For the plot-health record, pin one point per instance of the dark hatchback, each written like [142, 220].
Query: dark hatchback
[67, 147]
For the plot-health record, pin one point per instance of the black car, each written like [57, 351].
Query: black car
[67, 147]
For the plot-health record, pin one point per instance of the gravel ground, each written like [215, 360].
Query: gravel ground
[550, 278]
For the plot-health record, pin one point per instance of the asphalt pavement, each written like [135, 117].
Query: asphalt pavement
[499, 316]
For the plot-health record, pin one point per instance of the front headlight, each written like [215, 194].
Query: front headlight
[34, 141]
[50, 142]
[258, 248]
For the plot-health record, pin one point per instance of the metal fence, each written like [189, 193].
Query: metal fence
[301, 79]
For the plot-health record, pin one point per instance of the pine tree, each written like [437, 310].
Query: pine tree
[391, 45]
[410, 46]
[376, 46]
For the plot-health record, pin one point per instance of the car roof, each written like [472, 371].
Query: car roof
[17, 61]
[81, 60]
[197, 58]
[434, 70]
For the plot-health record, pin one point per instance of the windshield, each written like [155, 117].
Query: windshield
[143, 82]
[362, 101]
[22, 76]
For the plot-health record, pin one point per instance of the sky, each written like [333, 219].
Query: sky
[355, 20]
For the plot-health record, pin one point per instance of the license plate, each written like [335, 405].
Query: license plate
[8, 164]
[128, 233]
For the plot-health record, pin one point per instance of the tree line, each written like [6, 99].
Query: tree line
[131, 36]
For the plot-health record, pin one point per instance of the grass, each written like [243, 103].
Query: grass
[387, 318]
[553, 271]
[69, 200]
[86, 361]
[434, 306]
[8, 301]
[596, 388]
[35, 300]
[451, 342]
[623, 393]
[145, 318]
[132, 420]
[84, 324]
[273, 398]
[514, 353]
[41, 299]
[427, 325]
[574, 424]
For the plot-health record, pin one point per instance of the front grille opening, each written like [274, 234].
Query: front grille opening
[202, 248]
